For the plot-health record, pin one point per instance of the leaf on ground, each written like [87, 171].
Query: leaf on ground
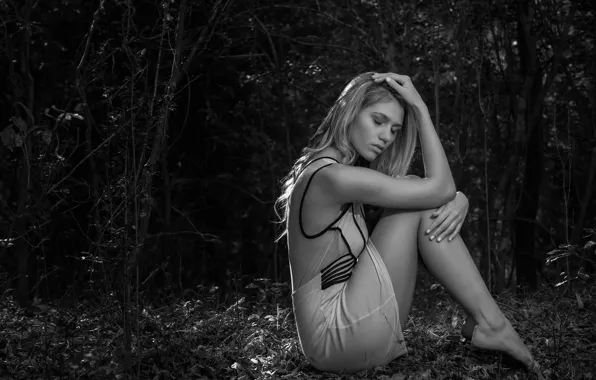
[395, 376]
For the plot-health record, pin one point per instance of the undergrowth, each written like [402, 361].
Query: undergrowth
[193, 337]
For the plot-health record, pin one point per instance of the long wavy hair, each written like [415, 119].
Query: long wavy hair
[361, 92]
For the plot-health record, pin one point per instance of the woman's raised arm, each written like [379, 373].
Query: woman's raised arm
[356, 184]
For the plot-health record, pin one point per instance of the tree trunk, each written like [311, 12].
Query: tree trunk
[532, 94]
[585, 202]
[81, 85]
[388, 39]
[528, 264]
[180, 69]
[20, 230]
[21, 226]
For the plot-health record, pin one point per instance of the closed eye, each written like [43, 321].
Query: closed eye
[380, 119]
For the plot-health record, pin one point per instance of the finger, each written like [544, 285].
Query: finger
[397, 85]
[395, 81]
[444, 229]
[400, 88]
[436, 222]
[381, 74]
[449, 230]
[457, 231]
[437, 212]
[379, 78]
[435, 227]
[398, 78]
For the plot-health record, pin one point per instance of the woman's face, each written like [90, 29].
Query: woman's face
[375, 127]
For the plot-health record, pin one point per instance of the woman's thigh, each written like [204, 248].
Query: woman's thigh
[396, 238]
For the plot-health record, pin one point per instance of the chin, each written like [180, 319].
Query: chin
[366, 155]
[369, 157]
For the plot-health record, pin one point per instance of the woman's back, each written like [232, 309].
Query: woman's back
[321, 231]
[346, 314]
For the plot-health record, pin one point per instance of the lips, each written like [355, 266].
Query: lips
[378, 147]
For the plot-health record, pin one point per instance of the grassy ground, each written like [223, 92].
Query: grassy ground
[195, 338]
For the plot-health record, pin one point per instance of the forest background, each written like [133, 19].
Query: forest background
[143, 142]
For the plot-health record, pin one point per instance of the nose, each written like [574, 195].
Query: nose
[385, 135]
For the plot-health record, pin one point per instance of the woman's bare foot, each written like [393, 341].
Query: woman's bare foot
[500, 338]
[504, 338]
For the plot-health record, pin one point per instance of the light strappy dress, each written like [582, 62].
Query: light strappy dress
[346, 313]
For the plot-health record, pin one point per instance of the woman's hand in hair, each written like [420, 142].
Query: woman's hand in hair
[403, 85]
[448, 219]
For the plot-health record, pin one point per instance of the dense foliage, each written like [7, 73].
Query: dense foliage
[156, 133]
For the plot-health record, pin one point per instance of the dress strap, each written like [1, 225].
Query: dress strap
[315, 160]
[302, 202]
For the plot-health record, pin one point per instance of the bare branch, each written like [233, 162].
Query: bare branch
[53, 188]
[332, 46]
[91, 32]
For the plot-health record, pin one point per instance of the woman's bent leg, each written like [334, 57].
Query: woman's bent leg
[399, 236]
[451, 264]
[395, 237]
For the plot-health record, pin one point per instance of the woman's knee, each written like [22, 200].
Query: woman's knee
[425, 215]
[418, 214]
[385, 211]
[402, 213]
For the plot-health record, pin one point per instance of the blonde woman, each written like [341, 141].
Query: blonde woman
[352, 291]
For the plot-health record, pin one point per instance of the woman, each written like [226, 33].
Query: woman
[352, 291]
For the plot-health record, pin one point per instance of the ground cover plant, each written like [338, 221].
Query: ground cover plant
[192, 337]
